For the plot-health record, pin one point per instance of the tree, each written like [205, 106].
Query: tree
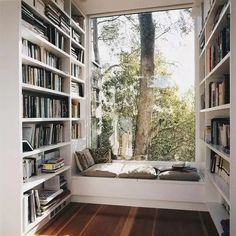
[145, 100]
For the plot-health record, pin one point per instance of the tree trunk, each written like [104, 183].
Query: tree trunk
[146, 99]
[95, 41]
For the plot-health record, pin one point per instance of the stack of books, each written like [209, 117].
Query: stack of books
[53, 165]
[75, 36]
[77, 89]
[77, 54]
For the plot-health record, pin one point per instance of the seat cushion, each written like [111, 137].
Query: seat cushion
[137, 171]
[179, 175]
[104, 170]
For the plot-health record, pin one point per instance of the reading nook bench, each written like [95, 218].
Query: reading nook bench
[128, 183]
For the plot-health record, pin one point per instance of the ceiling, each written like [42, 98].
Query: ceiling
[108, 7]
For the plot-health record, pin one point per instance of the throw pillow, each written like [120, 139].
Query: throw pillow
[102, 155]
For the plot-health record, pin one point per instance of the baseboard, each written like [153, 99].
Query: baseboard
[141, 203]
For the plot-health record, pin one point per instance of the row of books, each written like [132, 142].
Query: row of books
[219, 92]
[220, 166]
[55, 37]
[77, 89]
[39, 53]
[44, 107]
[75, 109]
[31, 166]
[76, 36]
[58, 18]
[39, 135]
[75, 70]
[76, 131]
[218, 133]
[221, 46]
[41, 77]
[77, 54]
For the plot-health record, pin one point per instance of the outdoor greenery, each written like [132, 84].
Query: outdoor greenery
[172, 122]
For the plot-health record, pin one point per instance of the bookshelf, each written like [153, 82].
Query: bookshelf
[215, 105]
[45, 49]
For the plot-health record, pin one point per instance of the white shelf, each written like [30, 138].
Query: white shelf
[76, 44]
[32, 62]
[78, 98]
[45, 214]
[216, 108]
[29, 120]
[34, 88]
[77, 27]
[221, 186]
[42, 177]
[40, 41]
[221, 22]
[218, 150]
[220, 69]
[76, 119]
[45, 148]
[77, 79]
[218, 213]
[77, 62]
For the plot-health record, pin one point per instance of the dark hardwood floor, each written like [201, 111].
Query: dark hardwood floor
[106, 220]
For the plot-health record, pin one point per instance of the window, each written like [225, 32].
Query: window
[143, 85]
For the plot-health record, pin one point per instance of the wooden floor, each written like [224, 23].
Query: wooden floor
[105, 220]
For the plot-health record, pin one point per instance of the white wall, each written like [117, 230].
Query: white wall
[95, 7]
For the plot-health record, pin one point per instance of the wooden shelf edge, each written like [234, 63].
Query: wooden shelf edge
[216, 108]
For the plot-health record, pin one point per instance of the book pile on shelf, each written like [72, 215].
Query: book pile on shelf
[77, 89]
[39, 135]
[219, 92]
[75, 109]
[220, 166]
[37, 201]
[32, 166]
[220, 47]
[44, 107]
[53, 165]
[77, 54]
[57, 18]
[219, 133]
[76, 130]
[41, 77]
[75, 36]
[39, 53]
[33, 22]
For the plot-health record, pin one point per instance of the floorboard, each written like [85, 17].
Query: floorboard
[105, 220]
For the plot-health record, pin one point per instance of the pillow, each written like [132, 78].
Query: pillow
[102, 155]
[104, 170]
[137, 171]
[179, 175]
[84, 159]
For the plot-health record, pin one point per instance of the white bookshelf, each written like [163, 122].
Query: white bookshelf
[217, 190]
[12, 88]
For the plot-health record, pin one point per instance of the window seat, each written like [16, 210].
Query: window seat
[139, 192]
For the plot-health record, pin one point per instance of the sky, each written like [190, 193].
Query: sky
[176, 48]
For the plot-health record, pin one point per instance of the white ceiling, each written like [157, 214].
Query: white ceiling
[107, 7]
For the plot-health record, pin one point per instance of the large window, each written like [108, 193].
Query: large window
[143, 85]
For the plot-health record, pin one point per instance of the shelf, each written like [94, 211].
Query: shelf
[218, 150]
[42, 177]
[218, 213]
[76, 26]
[32, 62]
[45, 214]
[47, 20]
[220, 69]
[29, 120]
[76, 44]
[216, 108]
[76, 119]
[77, 62]
[40, 41]
[218, 26]
[77, 79]
[44, 149]
[78, 98]
[42, 90]
[221, 186]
